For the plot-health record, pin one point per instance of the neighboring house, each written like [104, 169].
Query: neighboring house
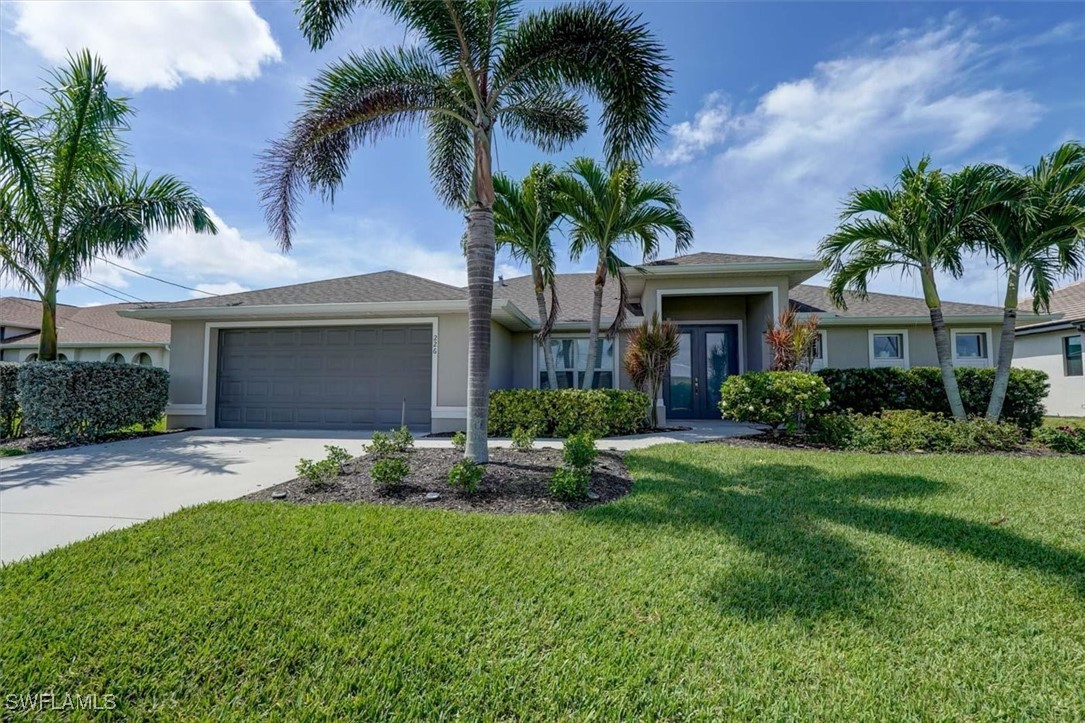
[367, 351]
[84, 333]
[1055, 347]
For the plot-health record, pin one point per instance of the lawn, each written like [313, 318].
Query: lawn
[732, 583]
[1065, 422]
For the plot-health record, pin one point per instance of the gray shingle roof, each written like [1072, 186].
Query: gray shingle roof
[1068, 301]
[82, 324]
[709, 258]
[815, 299]
[364, 288]
[575, 296]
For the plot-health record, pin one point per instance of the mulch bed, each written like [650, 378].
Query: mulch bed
[45, 443]
[513, 482]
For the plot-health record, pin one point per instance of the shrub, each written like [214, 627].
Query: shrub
[320, 472]
[564, 412]
[834, 429]
[572, 481]
[868, 391]
[523, 439]
[394, 443]
[911, 430]
[390, 466]
[10, 418]
[459, 441]
[389, 472]
[465, 476]
[72, 400]
[773, 398]
[648, 354]
[579, 451]
[337, 456]
[1066, 439]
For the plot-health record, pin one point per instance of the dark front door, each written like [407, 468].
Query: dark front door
[706, 356]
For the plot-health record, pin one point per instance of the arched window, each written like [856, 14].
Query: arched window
[143, 359]
[116, 358]
[62, 357]
[31, 357]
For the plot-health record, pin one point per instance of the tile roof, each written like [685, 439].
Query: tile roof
[1068, 301]
[82, 324]
[815, 299]
[708, 258]
[374, 287]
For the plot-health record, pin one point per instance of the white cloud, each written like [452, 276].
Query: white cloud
[153, 44]
[227, 287]
[708, 128]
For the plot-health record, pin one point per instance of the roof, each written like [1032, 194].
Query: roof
[576, 294]
[709, 258]
[815, 299]
[1068, 301]
[81, 324]
[381, 286]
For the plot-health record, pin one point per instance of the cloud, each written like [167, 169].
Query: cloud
[228, 287]
[153, 44]
[708, 128]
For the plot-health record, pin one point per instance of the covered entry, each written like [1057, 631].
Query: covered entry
[707, 355]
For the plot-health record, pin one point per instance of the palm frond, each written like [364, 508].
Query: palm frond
[550, 119]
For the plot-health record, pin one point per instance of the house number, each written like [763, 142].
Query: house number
[435, 344]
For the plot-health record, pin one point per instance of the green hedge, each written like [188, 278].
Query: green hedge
[869, 391]
[10, 425]
[72, 400]
[565, 412]
[778, 399]
[908, 430]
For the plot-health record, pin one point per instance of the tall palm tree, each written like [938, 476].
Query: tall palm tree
[608, 210]
[1040, 235]
[922, 226]
[524, 213]
[67, 193]
[477, 66]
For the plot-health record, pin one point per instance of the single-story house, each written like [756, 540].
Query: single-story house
[84, 333]
[369, 351]
[1055, 346]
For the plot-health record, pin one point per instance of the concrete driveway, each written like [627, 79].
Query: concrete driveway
[54, 498]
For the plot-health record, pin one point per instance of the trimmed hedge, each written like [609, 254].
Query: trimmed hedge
[778, 399]
[908, 430]
[869, 391]
[10, 425]
[565, 412]
[73, 400]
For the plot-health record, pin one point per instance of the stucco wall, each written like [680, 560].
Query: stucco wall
[160, 357]
[849, 346]
[1044, 352]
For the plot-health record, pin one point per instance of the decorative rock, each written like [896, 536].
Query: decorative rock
[278, 495]
[593, 495]
[431, 496]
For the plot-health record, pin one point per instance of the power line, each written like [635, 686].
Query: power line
[102, 291]
[155, 278]
[116, 291]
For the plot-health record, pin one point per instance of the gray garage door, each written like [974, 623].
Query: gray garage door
[337, 377]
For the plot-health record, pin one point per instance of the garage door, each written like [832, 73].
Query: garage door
[337, 377]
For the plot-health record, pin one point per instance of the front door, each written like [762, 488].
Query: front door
[707, 354]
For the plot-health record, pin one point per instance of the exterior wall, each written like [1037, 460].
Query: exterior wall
[1044, 352]
[849, 346]
[501, 352]
[160, 356]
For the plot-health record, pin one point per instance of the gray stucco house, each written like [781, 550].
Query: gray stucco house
[1055, 346]
[360, 351]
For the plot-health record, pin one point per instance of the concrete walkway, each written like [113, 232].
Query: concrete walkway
[54, 498]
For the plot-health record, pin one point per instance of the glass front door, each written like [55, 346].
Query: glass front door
[706, 356]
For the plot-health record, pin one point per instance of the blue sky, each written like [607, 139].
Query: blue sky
[778, 110]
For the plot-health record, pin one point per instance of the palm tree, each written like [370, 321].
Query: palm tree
[524, 213]
[67, 194]
[1040, 235]
[922, 226]
[607, 210]
[477, 66]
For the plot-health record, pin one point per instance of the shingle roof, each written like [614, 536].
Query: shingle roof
[364, 288]
[709, 258]
[82, 324]
[1068, 301]
[575, 296]
[815, 299]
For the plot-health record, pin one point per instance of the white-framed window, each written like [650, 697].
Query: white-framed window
[1071, 356]
[889, 348]
[821, 351]
[971, 347]
[570, 356]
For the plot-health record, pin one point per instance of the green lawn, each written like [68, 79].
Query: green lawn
[732, 583]
[1064, 422]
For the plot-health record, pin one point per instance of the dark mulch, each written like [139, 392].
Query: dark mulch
[513, 482]
[45, 443]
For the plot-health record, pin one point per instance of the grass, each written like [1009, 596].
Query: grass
[1078, 422]
[732, 583]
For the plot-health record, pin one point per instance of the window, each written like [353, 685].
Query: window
[889, 349]
[31, 357]
[1071, 355]
[820, 358]
[62, 357]
[143, 359]
[116, 359]
[570, 356]
[970, 347]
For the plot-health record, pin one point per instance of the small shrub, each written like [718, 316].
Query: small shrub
[72, 400]
[395, 443]
[1065, 439]
[833, 429]
[465, 476]
[337, 456]
[778, 399]
[579, 451]
[318, 473]
[570, 484]
[523, 439]
[911, 430]
[402, 440]
[10, 417]
[389, 472]
[563, 412]
[459, 441]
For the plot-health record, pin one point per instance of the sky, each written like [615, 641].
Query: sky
[778, 110]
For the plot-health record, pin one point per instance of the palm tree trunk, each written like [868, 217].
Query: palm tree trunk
[481, 250]
[942, 345]
[596, 313]
[544, 342]
[1005, 345]
[47, 339]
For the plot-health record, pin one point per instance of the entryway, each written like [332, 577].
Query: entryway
[707, 354]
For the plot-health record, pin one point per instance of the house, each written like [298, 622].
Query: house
[369, 351]
[1055, 346]
[84, 333]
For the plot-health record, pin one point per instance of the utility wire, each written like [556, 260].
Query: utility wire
[103, 291]
[110, 288]
[155, 278]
